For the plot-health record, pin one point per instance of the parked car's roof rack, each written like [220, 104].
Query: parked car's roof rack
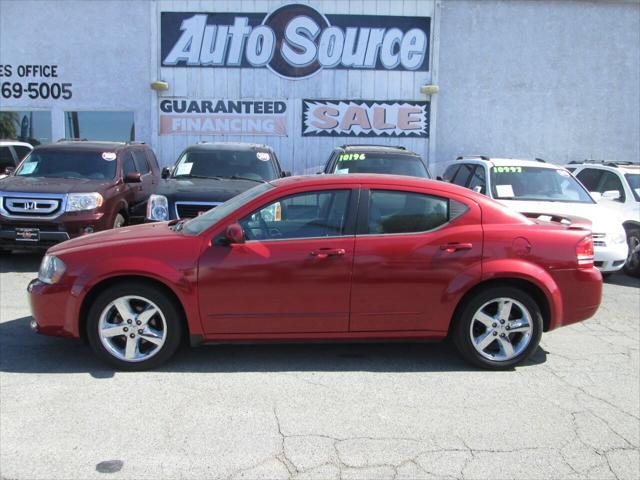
[72, 140]
[540, 160]
[399, 147]
[608, 163]
[132, 142]
[482, 157]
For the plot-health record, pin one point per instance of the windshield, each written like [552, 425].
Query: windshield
[248, 164]
[399, 164]
[197, 225]
[634, 184]
[536, 184]
[69, 164]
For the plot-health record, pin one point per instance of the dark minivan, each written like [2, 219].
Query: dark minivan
[72, 188]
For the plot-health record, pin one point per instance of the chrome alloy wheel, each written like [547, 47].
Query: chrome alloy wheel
[132, 328]
[501, 329]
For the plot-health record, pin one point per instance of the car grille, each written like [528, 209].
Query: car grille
[27, 206]
[193, 209]
[598, 240]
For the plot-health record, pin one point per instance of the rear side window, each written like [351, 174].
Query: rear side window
[590, 177]
[393, 211]
[450, 172]
[6, 159]
[140, 161]
[152, 157]
[478, 181]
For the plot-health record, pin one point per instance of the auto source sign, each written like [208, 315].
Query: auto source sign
[294, 41]
[367, 118]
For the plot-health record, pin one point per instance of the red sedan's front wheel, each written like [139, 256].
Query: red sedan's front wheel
[134, 326]
[498, 328]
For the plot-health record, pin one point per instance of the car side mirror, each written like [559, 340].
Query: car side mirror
[611, 195]
[285, 173]
[166, 172]
[9, 170]
[439, 178]
[597, 196]
[132, 177]
[234, 234]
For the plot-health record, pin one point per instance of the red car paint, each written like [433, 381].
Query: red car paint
[403, 286]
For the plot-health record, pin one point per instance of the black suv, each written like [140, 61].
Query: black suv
[71, 188]
[208, 174]
[376, 159]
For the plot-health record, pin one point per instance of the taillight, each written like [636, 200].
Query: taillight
[584, 252]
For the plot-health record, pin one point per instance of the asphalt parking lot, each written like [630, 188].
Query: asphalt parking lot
[403, 411]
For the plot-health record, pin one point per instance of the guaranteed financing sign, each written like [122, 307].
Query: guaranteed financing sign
[179, 116]
[366, 118]
[294, 41]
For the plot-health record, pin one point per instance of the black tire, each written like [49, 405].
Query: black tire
[462, 336]
[119, 221]
[632, 265]
[173, 318]
[606, 275]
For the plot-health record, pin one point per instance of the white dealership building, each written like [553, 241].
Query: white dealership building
[551, 78]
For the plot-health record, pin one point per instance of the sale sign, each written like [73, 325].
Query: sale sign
[367, 118]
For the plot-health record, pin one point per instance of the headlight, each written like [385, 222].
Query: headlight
[83, 201]
[51, 269]
[617, 238]
[158, 208]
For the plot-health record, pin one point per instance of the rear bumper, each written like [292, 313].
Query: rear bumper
[62, 228]
[581, 294]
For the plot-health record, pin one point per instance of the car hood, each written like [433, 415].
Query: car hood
[603, 219]
[53, 185]
[203, 189]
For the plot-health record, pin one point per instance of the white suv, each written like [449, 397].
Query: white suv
[540, 188]
[616, 185]
[11, 153]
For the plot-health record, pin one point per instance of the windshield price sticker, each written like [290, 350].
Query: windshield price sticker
[28, 168]
[34, 88]
[184, 169]
[263, 156]
[507, 169]
[352, 156]
[109, 156]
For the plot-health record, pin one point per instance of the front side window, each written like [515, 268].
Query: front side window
[209, 163]
[389, 163]
[538, 184]
[611, 183]
[33, 127]
[303, 215]
[478, 181]
[6, 159]
[128, 164]
[199, 224]
[101, 126]
[141, 162]
[69, 164]
[393, 211]
[462, 176]
[590, 178]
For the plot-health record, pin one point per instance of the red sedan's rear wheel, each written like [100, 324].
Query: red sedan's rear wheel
[498, 328]
[134, 326]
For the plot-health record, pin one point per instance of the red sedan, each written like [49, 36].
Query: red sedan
[350, 257]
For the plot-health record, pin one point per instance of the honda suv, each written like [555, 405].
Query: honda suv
[72, 188]
[208, 174]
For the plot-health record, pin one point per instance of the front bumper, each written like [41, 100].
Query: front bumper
[52, 309]
[610, 258]
[51, 232]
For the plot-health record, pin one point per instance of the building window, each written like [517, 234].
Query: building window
[33, 127]
[105, 126]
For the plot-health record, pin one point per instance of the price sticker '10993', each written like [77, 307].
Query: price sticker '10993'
[507, 169]
[34, 90]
